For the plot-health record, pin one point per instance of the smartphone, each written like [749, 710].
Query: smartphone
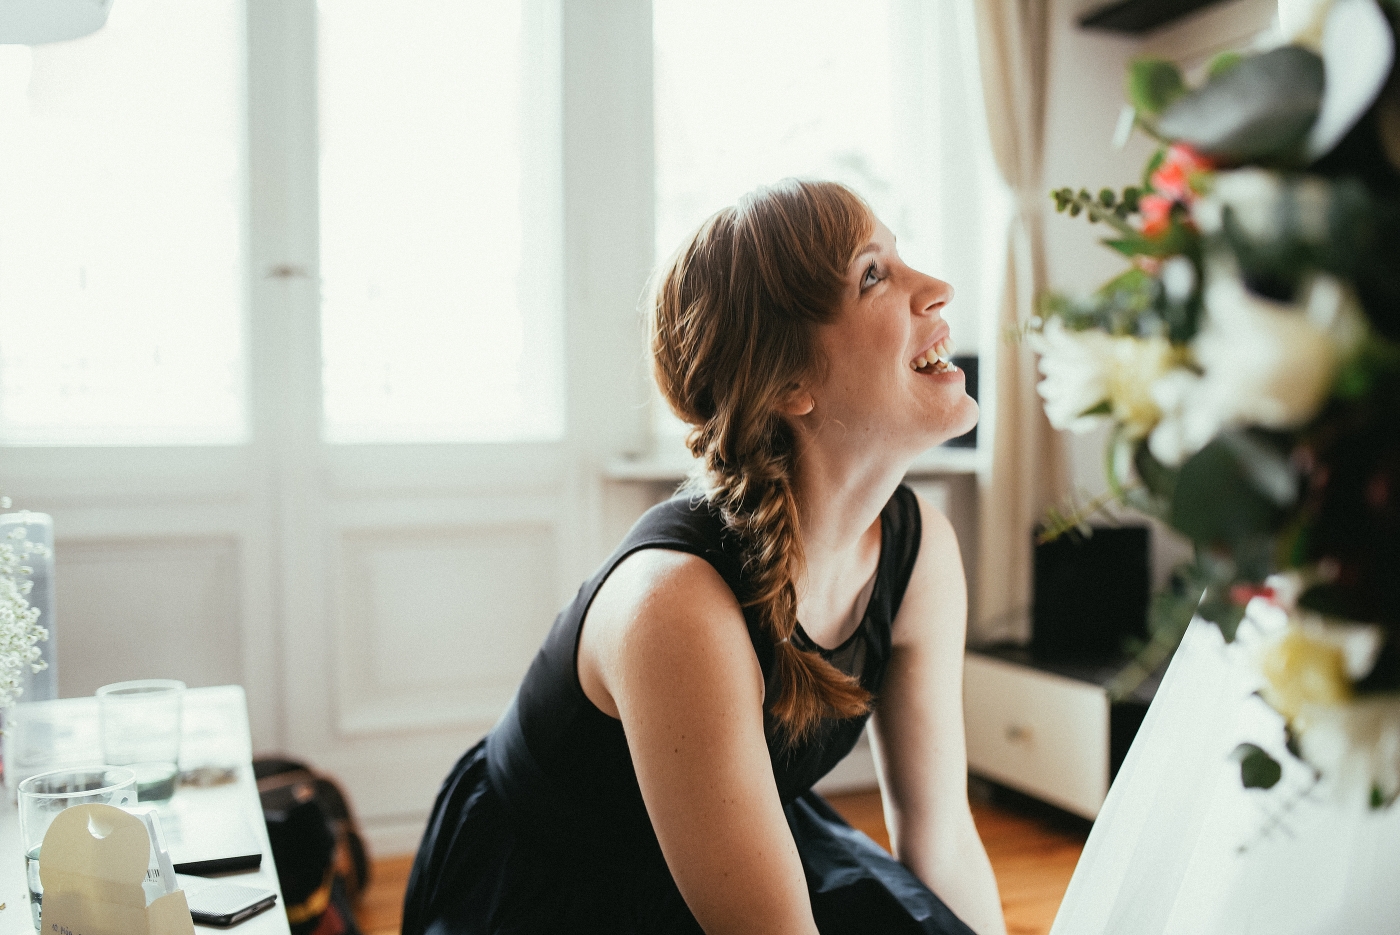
[228, 903]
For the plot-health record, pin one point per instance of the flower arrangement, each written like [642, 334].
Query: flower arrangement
[20, 632]
[1248, 362]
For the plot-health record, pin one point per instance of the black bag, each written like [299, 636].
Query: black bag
[322, 864]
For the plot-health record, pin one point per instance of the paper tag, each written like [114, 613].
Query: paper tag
[94, 865]
[160, 872]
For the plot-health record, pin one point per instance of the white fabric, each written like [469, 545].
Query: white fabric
[1181, 848]
[1027, 470]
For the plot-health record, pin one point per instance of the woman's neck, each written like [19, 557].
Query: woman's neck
[840, 495]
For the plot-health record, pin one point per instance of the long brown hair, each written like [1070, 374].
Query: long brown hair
[732, 329]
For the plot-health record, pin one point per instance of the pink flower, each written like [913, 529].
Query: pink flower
[1242, 593]
[1178, 177]
[1156, 214]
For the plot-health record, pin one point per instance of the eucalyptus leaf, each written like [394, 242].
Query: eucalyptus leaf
[1268, 469]
[1155, 475]
[1258, 770]
[1261, 108]
[1153, 84]
[1216, 501]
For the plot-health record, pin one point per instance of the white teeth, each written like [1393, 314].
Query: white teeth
[921, 363]
[944, 349]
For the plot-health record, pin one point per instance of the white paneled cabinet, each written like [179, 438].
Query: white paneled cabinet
[1048, 728]
[1043, 734]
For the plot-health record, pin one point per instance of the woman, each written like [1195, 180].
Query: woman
[654, 771]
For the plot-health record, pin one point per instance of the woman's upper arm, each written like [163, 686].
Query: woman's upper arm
[919, 735]
[666, 642]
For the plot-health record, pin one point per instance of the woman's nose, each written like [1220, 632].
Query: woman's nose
[933, 296]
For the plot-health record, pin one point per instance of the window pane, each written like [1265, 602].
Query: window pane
[750, 93]
[121, 249]
[439, 222]
[878, 94]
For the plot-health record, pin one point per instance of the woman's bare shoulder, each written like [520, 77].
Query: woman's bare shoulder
[660, 609]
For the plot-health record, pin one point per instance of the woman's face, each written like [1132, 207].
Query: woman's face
[871, 391]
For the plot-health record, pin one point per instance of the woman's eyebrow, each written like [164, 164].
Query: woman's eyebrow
[871, 247]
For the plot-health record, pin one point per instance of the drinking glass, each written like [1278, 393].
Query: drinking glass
[42, 797]
[140, 725]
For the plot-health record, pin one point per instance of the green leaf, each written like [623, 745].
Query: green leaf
[1178, 239]
[1217, 607]
[1268, 469]
[1260, 109]
[1130, 246]
[1156, 476]
[1216, 502]
[1153, 84]
[1152, 166]
[1104, 408]
[1258, 770]
[1222, 63]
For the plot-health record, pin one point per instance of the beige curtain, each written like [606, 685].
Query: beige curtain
[1027, 465]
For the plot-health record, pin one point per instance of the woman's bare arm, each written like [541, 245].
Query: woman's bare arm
[665, 649]
[920, 747]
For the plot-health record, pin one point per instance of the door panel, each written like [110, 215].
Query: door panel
[437, 625]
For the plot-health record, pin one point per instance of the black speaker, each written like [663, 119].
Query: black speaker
[1091, 593]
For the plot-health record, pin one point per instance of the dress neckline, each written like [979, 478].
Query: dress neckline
[869, 591]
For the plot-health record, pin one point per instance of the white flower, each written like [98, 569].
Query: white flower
[1309, 666]
[1190, 416]
[1356, 747]
[1272, 364]
[1358, 50]
[1301, 21]
[1086, 369]
[1261, 363]
[19, 626]
[1254, 197]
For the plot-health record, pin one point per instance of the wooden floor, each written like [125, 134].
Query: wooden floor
[1033, 851]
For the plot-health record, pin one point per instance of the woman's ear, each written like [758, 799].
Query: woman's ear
[796, 401]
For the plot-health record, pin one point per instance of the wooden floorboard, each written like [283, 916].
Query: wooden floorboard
[1033, 850]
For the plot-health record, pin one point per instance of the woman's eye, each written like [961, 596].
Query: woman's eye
[871, 277]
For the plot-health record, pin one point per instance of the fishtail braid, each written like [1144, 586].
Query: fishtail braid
[732, 327]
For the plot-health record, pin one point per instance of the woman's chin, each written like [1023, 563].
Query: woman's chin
[964, 420]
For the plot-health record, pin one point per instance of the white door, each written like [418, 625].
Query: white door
[381, 473]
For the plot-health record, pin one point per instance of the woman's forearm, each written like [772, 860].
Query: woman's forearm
[957, 869]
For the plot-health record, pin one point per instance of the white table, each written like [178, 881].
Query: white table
[215, 734]
[1164, 856]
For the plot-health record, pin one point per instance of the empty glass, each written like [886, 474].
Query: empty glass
[42, 797]
[140, 724]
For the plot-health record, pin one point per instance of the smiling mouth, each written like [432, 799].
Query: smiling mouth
[937, 359]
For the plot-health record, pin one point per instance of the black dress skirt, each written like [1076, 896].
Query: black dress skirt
[540, 829]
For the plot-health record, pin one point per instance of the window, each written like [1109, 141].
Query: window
[439, 222]
[122, 271]
[878, 94]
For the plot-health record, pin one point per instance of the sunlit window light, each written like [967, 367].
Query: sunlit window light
[865, 92]
[439, 223]
[122, 225]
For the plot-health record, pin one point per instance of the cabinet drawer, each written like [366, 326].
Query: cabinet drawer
[1043, 734]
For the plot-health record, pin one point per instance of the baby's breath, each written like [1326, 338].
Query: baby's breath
[19, 621]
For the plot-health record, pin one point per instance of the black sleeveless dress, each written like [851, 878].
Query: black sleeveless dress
[541, 827]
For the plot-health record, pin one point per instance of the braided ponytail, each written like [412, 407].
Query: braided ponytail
[732, 327]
